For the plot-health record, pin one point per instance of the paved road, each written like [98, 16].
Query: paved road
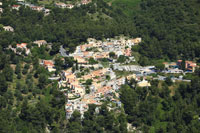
[63, 52]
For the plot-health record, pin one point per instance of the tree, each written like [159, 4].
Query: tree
[25, 70]
[129, 98]
[160, 66]
[18, 68]
[108, 77]
[59, 64]
[55, 48]
[68, 61]
[24, 111]
[43, 81]
[92, 61]
[8, 73]
[112, 54]
[168, 81]
[58, 99]
[183, 65]
[122, 59]
[88, 82]
[3, 84]
[123, 123]
[143, 61]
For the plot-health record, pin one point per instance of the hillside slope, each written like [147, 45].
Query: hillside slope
[170, 28]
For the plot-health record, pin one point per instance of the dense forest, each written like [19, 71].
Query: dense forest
[29, 102]
[170, 29]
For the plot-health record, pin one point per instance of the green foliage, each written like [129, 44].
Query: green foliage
[3, 84]
[112, 54]
[59, 64]
[160, 66]
[169, 30]
[92, 61]
[43, 81]
[182, 66]
[168, 81]
[68, 62]
[143, 61]
[88, 82]
[8, 72]
[155, 110]
[122, 59]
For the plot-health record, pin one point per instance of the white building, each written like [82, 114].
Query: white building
[143, 83]
[16, 7]
[70, 6]
[37, 8]
[46, 12]
[40, 42]
[8, 28]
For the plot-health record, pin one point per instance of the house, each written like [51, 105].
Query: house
[71, 78]
[70, 6]
[37, 8]
[40, 42]
[23, 46]
[100, 55]
[132, 76]
[189, 65]
[130, 43]
[16, 7]
[65, 73]
[170, 64]
[102, 91]
[79, 90]
[46, 12]
[73, 105]
[120, 81]
[91, 40]
[8, 28]
[86, 46]
[128, 52]
[95, 74]
[143, 83]
[60, 5]
[137, 40]
[1, 3]
[80, 60]
[49, 65]
[176, 70]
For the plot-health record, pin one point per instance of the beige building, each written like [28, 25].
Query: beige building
[144, 83]
[40, 42]
[8, 28]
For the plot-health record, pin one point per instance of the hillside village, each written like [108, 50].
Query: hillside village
[91, 82]
[99, 83]
[83, 66]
